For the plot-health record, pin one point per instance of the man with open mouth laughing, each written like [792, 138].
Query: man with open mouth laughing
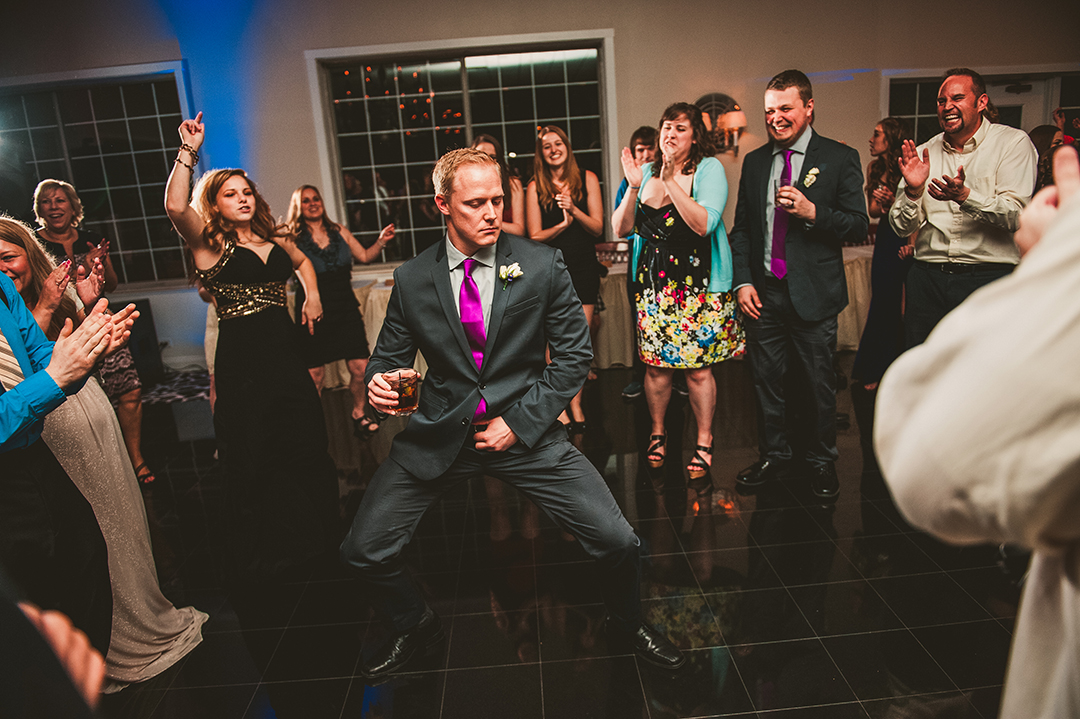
[962, 191]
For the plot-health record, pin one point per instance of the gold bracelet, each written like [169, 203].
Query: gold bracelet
[178, 161]
[191, 151]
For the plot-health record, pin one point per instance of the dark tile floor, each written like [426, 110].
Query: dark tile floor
[786, 607]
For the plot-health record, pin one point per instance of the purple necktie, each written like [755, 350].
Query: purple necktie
[472, 319]
[780, 223]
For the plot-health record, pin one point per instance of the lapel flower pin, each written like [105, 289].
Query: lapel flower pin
[509, 274]
[811, 177]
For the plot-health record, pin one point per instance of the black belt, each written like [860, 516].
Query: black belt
[964, 268]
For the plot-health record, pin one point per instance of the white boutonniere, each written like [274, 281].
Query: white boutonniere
[509, 274]
[811, 177]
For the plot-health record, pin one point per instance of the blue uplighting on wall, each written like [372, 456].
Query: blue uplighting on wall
[213, 42]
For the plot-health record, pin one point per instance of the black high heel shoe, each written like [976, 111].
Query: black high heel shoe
[656, 443]
[699, 466]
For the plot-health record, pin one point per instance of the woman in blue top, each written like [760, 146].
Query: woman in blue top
[331, 249]
[686, 313]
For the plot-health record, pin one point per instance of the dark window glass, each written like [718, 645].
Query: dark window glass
[379, 80]
[151, 166]
[107, 103]
[902, 98]
[168, 101]
[485, 106]
[585, 134]
[386, 148]
[139, 100]
[584, 99]
[88, 173]
[114, 136]
[354, 150]
[413, 79]
[169, 263]
[445, 76]
[75, 105]
[81, 140]
[581, 69]
[126, 203]
[1010, 115]
[162, 233]
[521, 138]
[928, 97]
[12, 116]
[47, 143]
[518, 104]
[482, 77]
[145, 133]
[549, 73]
[926, 128]
[130, 235]
[1070, 91]
[350, 116]
[383, 113]
[420, 146]
[40, 109]
[550, 102]
[138, 266]
[169, 133]
[450, 138]
[120, 170]
[516, 76]
[95, 202]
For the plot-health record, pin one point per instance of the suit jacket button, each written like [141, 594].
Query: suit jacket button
[464, 421]
[483, 386]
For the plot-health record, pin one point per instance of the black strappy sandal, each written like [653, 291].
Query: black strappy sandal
[656, 443]
[698, 466]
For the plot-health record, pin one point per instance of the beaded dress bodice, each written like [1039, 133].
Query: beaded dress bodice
[243, 284]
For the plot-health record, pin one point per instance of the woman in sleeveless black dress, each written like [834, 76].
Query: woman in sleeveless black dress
[281, 485]
[563, 208]
[341, 334]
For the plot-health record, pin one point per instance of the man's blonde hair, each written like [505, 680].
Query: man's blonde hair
[447, 166]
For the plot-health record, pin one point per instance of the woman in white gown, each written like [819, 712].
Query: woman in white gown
[149, 634]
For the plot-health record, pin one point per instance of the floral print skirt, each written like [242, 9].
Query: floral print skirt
[685, 328]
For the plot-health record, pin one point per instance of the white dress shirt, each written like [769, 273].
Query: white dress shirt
[978, 435]
[999, 166]
[483, 275]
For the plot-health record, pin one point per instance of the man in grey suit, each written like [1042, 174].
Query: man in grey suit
[800, 199]
[488, 407]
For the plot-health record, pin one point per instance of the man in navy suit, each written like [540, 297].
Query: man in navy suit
[489, 406]
[800, 199]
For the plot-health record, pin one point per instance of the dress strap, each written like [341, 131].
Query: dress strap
[210, 274]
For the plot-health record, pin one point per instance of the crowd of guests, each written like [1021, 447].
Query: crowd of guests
[73, 531]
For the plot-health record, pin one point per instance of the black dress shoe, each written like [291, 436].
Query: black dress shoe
[653, 647]
[399, 649]
[823, 481]
[759, 473]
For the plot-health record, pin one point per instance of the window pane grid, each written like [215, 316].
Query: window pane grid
[107, 139]
[386, 154]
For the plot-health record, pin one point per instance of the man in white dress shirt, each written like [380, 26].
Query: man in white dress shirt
[963, 192]
[978, 435]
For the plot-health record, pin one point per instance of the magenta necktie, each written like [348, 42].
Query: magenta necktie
[472, 319]
[780, 223]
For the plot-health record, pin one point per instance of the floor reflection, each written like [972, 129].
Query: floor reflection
[786, 606]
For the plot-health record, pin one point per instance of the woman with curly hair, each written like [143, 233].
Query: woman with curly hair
[281, 485]
[341, 334]
[686, 312]
[883, 337]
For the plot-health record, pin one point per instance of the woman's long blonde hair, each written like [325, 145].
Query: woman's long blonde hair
[41, 266]
[218, 229]
[545, 184]
[294, 219]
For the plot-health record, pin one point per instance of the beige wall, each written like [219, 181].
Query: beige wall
[664, 52]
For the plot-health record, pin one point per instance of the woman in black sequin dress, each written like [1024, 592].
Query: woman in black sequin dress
[281, 485]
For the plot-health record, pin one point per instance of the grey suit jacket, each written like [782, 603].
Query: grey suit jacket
[536, 310]
[815, 258]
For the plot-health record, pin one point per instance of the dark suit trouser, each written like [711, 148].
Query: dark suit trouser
[932, 294]
[50, 541]
[776, 341]
[554, 475]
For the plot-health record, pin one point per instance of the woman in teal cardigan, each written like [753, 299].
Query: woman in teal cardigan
[681, 261]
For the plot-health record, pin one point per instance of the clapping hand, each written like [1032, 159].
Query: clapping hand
[884, 196]
[52, 290]
[916, 170]
[89, 286]
[631, 169]
[1043, 208]
[948, 188]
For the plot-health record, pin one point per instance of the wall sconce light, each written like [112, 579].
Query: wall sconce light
[724, 119]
